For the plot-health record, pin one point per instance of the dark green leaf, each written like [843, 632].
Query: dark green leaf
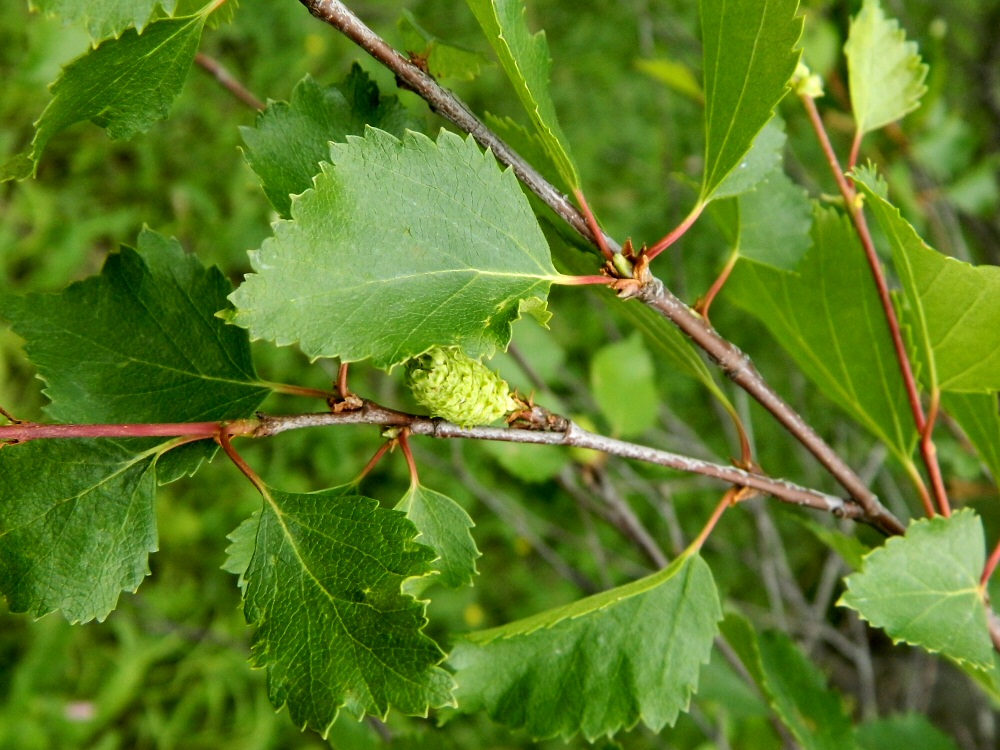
[444, 526]
[104, 18]
[428, 243]
[289, 140]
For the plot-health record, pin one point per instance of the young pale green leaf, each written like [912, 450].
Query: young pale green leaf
[429, 244]
[444, 526]
[759, 163]
[76, 525]
[977, 415]
[749, 56]
[443, 60]
[886, 76]
[525, 58]
[125, 84]
[923, 588]
[828, 318]
[622, 381]
[141, 343]
[793, 685]
[951, 305]
[289, 140]
[104, 18]
[322, 585]
[603, 663]
[902, 732]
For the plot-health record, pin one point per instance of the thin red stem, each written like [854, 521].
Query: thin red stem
[383, 449]
[991, 565]
[342, 381]
[299, 390]
[855, 148]
[26, 431]
[727, 500]
[713, 291]
[582, 280]
[225, 440]
[595, 230]
[214, 68]
[404, 443]
[677, 233]
[929, 452]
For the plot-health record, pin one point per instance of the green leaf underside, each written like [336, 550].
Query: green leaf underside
[525, 58]
[886, 76]
[793, 685]
[399, 247]
[774, 223]
[600, 664]
[829, 319]
[322, 585]
[749, 57]
[952, 306]
[103, 18]
[763, 158]
[977, 415]
[444, 60]
[444, 526]
[902, 732]
[290, 139]
[76, 525]
[125, 84]
[141, 343]
[622, 381]
[923, 588]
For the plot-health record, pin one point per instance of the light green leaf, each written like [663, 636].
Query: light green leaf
[444, 527]
[289, 140]
[749, 56]
[828, 318]
[951, 306]
[923, 588]
[125, 84]
[430, 238]
[600, 664]
[443, 60]
[622, 381]
[902, 732]
[525, 58]
[529, 463]
[757, 164]
[775, 222]
[104, 18]
[977, 415]
[333, 630]
[674, 74]
[76, 525]
[793, 685]
[885, 73]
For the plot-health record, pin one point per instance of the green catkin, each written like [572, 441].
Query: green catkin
[458, 388]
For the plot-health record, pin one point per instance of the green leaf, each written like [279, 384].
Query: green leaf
[444, 527]
[622, 381]
[761, 161]
[125, 84]
[828, 318]
[902, 732]
[885, 73]
[977, 415]
[849, 547]
[76, 525]
[529, 463]
[673, 74]
[432, 238]
[924, 588]
[289, 140]
[600, 664]
[774, 223]
[749, 56]
[443, 60]
[104, 18]
[333, 629]
[794, 686]
[525, 58]
[951, 305]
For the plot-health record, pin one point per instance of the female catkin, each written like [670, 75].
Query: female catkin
[458, 388]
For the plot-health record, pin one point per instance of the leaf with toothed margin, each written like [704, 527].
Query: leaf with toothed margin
[104, 18]
[600, 664]
[444, 526]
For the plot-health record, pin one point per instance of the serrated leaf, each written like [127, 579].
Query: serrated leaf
[622, 381]
[775, 222]
[923, 588]
[443, 60]
[333, 629]
[757, 164]
[429, 242]
[76, 525]
[104, 18]
[125, 84]
[525, 58]
[977, 415]
[444, 526]
[600, 664]
[886, 76]
[951, 305]
[289, 140]
[828, 318]
[793, 685]
[141, 343]
[902, 732]
[749, 56]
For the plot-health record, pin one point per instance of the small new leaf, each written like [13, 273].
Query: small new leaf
[601, 664]
[923, 588]
[885, 72]
[321, 582]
